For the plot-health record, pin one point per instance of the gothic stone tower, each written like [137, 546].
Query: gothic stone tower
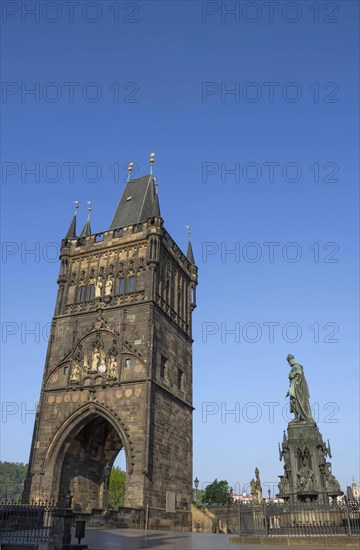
[118, 372]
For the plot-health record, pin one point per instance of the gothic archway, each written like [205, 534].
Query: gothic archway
[81, 457]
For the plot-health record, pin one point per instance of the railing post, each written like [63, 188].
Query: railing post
[347, 516]
[265, 519]
[61, 527]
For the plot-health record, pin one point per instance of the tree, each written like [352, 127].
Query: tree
[12, 476]
[116, 487]
[217, 492]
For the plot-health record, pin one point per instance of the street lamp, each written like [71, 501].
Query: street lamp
[196, 483]
[269, 493]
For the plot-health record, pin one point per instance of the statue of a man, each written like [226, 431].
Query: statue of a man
[95, 360]
[98, 287]
[108, 287]
[298, 392]
[75, 372]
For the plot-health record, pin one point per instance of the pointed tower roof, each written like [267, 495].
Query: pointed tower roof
[190, 254]
[71, 234]
[138, 203]
[87, 228]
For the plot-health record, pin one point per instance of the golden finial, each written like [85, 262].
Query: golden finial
[188, 231]
[152, 160]
[130, 169]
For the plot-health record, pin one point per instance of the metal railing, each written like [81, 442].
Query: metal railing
[25, 523]
[300, 519]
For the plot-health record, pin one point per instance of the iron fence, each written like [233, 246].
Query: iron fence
[25, 523]
[300, 518]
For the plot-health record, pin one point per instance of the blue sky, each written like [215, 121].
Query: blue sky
[271, 97]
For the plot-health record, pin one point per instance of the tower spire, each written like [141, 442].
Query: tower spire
[190, 253]
[71, 234]
[87, 228]
[152, 161]
[130, 169]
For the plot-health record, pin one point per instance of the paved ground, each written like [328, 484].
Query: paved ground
[131, 539]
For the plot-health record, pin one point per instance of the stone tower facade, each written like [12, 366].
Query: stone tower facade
[118, 371]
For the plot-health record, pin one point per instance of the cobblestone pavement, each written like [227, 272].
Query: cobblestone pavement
[131, 539]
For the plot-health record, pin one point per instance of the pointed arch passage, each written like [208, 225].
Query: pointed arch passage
[81, 456]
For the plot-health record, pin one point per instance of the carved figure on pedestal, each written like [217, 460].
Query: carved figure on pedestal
[108, 287]
[86, 367]
[305, 479]
[98, 287]
[95, 360]
[284, 485]
[102, 367]
[298, 392]
[321, 455]
[112, 372]
[331, 483]
[75, 372]
[256, 490]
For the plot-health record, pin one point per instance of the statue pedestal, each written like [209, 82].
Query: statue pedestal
[307, 474]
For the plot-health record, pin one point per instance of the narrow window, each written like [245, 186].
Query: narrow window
[121, 286]
[163, 362]
[82, 293]
[180, 379]
[132, 283]
[66, 370]
[127, 362]
[192, 296]
[99, 237]
[118, 233]
[91, 292]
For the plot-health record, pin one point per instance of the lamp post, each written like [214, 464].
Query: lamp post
[269, 493]
[196, 483]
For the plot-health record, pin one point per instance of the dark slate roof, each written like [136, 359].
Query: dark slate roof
[86, 229]
[190, 254]
[71, 234]
[138, 203]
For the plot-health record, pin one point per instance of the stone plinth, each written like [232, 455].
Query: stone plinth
[307, 474]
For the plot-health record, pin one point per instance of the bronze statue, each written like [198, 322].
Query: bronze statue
[298, 392]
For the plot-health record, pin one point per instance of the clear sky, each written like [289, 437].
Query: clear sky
[252, 111]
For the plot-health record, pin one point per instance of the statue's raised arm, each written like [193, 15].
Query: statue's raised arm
[298, 392]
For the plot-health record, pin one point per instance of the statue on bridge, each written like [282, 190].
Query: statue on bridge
[298, 392]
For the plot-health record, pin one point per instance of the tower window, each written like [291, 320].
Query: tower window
[180, 379]
[118, 233]
[137, 228]
[91, 292]
[163, 362]
[99, 237]
[127, 363]
[66, 370]
[82, 293]
[132, 283]
[121, 286]
[192, 295]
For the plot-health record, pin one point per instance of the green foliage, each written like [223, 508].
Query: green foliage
[12, 476]
[197, 496]
[116, 487]
[217, 492]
